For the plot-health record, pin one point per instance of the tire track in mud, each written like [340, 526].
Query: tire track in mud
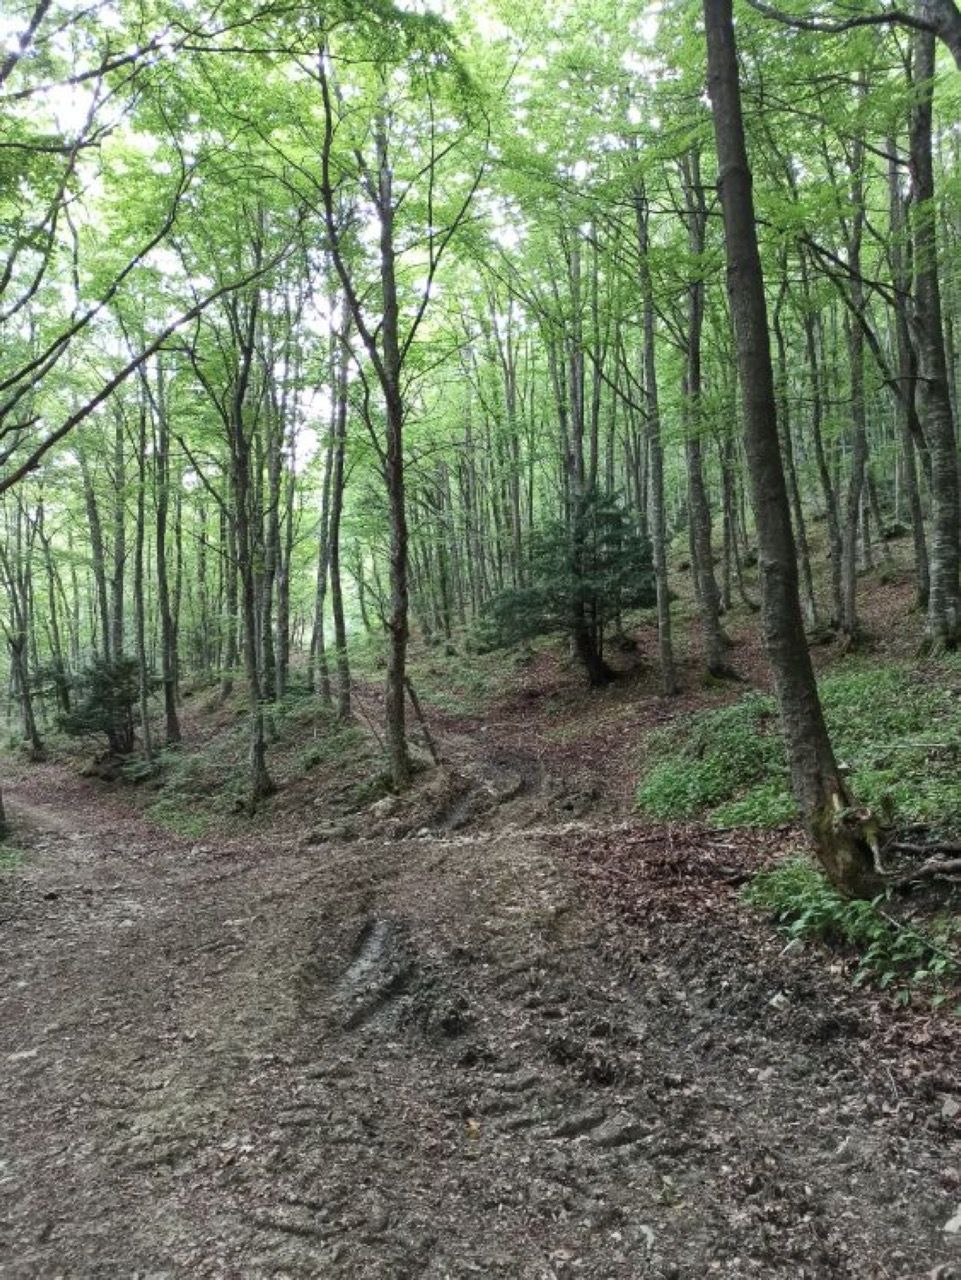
[424, 1057]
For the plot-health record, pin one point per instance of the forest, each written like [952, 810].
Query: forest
[480, 637]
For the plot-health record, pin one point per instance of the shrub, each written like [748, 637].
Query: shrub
[105, 695]
[593, 572]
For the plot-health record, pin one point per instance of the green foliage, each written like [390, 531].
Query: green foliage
[369, 790]
[200, 787]
[105, 695]
[50, 679]
[174, 813]
[462, 684]
[200, 784]
[768, 804]
[720, 755]
[335, 744]
[599, 566]
[888, 952]
[10, 858]
[899, 736]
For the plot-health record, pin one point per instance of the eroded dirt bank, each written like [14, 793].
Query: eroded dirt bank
[447, 1055]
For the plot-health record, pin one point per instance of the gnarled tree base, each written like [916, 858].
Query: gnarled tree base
[846, 842]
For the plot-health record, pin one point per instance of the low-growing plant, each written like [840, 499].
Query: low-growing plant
[370, 790]
[171, 812]
[719, 755]
[898, 735]
[887, 952]
[10, 858]
[311, 757]
[769, 804]
[460, 683]
[336, 744]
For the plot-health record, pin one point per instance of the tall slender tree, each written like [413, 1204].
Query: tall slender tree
[823, 800]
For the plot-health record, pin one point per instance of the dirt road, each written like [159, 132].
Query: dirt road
[437, 1056]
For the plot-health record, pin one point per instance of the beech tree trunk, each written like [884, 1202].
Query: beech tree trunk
[859, 427]
[580, 481]
[60, 673]
[336, 508]
[787, 449]
[231, 607]
[168, 656]
[97, 555]
[15, 557]
[708, 595]
[945, 560]
[244, 326]
[658, 523]
[318, 670]
[812, 333]
[908, 425]
[272, 555]
[140, 622]
[119, 541]
[824, 804]
[398, 626]
[285, 569]
[853, 505]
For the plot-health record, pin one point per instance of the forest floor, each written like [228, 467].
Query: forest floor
[500, 1028]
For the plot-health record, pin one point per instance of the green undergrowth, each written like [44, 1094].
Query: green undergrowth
[461, 683]
[890, 954]
[897, 732]
[446, 675]
[10, 858]
[198, 787]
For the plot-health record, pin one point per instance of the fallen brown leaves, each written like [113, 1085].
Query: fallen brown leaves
[676, 891]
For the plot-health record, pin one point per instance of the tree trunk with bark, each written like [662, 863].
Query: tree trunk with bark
[168, 655]
[826, 808]
[944, 624]
[119, 540]
[909, 427]
[244, 320]
[658, 522]
[336, 509]
[702, 557]
[140, 620]
[97, 556]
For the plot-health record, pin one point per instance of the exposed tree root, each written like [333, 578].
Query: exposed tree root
[932, 869]
[922, 850]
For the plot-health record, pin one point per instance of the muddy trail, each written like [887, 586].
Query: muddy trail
[456, 1051]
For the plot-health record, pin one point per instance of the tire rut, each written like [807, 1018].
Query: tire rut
[428, 1057]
